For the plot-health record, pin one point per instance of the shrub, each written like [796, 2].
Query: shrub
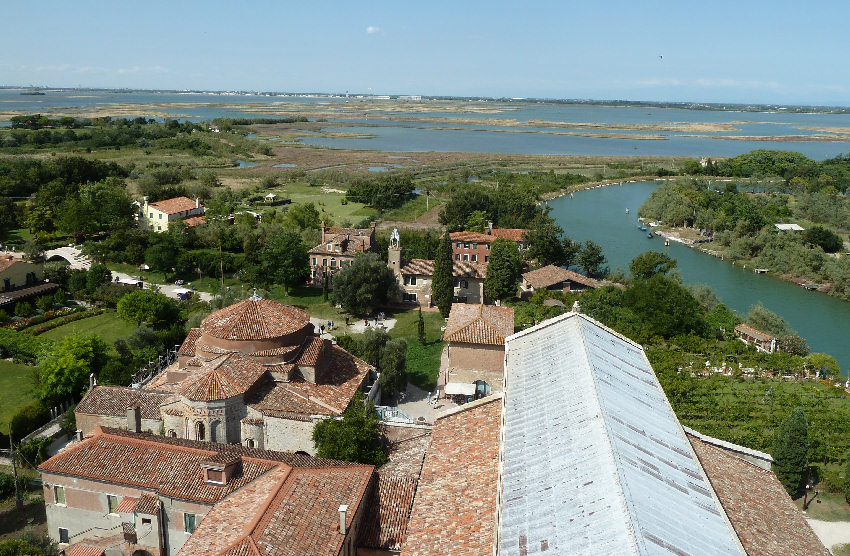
[34, 451]
[28, 419]
[23, 309]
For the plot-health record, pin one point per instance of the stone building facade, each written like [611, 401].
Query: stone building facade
[337, 249]
[415, 276]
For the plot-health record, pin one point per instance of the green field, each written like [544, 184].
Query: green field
[423, 362]
[327, 202]
[108, 326]
[16, 383]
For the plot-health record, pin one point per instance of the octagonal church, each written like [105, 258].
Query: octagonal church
[254, 373]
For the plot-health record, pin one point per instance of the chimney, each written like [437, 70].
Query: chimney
[92, 381]
[489, 227]
[79, 435]
[343, 510]
[197, 202]
[134, 419]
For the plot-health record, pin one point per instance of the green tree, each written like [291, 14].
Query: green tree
[96, 276]
[442, 285]
[826, 239]
[477, 221]
[502, 270]
[665, 306]
[646, 265]
[420, 327]
[394, 367]
[591, 259]
[790, 452]
[765, 320]
[302, 216]
[29, 544]
[372, 346]
[325, 286]
[544, 242]
[147, 307]
[353, 438]
[721, 320]
[847, 477]
[284, 260]
[63, 371]
[162, 256]
[364, 285]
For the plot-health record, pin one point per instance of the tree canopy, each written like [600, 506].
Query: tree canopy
[284, 261]
[352, 438]
[646, 265]
[790, 452]
[591, 259]
[364, 285]
[147, 307]
[64, 370]
[502, 270]
[442, 285]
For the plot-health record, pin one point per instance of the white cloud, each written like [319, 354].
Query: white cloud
[373, 30]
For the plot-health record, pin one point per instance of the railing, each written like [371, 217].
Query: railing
[392, 414]
[154, 368]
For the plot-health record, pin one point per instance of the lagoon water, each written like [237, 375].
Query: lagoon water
[600, 214]
[412, 136]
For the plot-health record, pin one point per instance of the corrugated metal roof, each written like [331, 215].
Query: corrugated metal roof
[594, 460]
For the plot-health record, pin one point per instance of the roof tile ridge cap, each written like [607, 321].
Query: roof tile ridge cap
[254, 527]
[71, 450]
[637, 543]
[469, 406]
[718, 443]
[165, 445]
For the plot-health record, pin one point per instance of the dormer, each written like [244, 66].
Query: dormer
[220, 468]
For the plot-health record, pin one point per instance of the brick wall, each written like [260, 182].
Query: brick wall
[288, 434]
[477, 356]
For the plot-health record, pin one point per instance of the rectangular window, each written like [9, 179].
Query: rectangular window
[111, 503]
[466, 245]
[486, 258]
[409, 297]
[330, 247]
[333, 263]
[457, 256]
[406, 280]
[160, 216]
[466, 256]
[487, 245]
[464, 284]
[189, 523]
[151, 215]
[315, 261]
[59, 495]
[457, 245]
[475, 258]
[413, 281]
[63, 535]
[324, 262]
[475, 246]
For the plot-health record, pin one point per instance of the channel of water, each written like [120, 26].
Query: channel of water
[600, 214]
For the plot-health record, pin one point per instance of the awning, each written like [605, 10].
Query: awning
[181, 291]
[460, 388]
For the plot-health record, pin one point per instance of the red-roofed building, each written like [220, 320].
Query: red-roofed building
[476, 337]
[254, 373]
[475, 247]
[158, 215]
[147, 494]
[763, 342]
[338, 248]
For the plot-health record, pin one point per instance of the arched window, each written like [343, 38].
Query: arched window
[215, 431]
[249, 443]
[200, 431]
[171, 433]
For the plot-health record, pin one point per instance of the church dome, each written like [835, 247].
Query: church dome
[255, 319]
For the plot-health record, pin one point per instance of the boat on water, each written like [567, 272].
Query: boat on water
[650, 235]
[39, 93]
[642, 228]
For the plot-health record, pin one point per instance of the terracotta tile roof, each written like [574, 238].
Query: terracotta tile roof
[406, 456]
[170, 466]
[349, 245]
[387, 512]
[255, 319]
[284, 513]
[765, 519]
[188, 345]
[479, 324]
[551, 275]
[460, 269]
[193, 221]
[752, 332]
[454, 511]
[174, 205]
[342, 378]
[148, 504]
[115, 400]
[84, 550]
[513, 234]
[310, 351]
[223, 377]
[126, 505]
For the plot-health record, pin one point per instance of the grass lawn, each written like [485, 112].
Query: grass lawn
[827, 507]
[412, 209]
[16, 382]
[17, 237]
[108, 326]
[328, 202]
[841, 549]
[423, 362]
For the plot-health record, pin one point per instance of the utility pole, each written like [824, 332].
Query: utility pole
[18, 503]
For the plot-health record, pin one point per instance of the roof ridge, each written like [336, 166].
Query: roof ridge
[469, 406]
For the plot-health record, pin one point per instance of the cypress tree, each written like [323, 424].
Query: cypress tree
[790, 452]
[421, 327]
[503, 270]
[442, 286]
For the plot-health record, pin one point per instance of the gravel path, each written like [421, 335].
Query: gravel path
[831, 533]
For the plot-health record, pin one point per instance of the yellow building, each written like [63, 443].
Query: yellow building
[158, 215]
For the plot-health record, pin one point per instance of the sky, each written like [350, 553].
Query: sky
[735, 52]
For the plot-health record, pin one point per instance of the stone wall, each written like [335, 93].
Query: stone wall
[477, 356]
[87, 423]
[289, 435]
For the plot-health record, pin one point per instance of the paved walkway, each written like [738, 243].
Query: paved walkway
[169, 290]
[831, 533]
[414, 402]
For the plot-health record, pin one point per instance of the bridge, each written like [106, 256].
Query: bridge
[73, 255]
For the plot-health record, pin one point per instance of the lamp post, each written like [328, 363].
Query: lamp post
[809, 487]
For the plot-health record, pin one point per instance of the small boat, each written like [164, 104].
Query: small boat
[642, 228]
[627, 210]
[649, 235]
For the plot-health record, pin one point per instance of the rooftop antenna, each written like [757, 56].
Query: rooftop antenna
[256, 296]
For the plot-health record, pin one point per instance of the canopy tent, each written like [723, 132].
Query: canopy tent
[460, 388]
